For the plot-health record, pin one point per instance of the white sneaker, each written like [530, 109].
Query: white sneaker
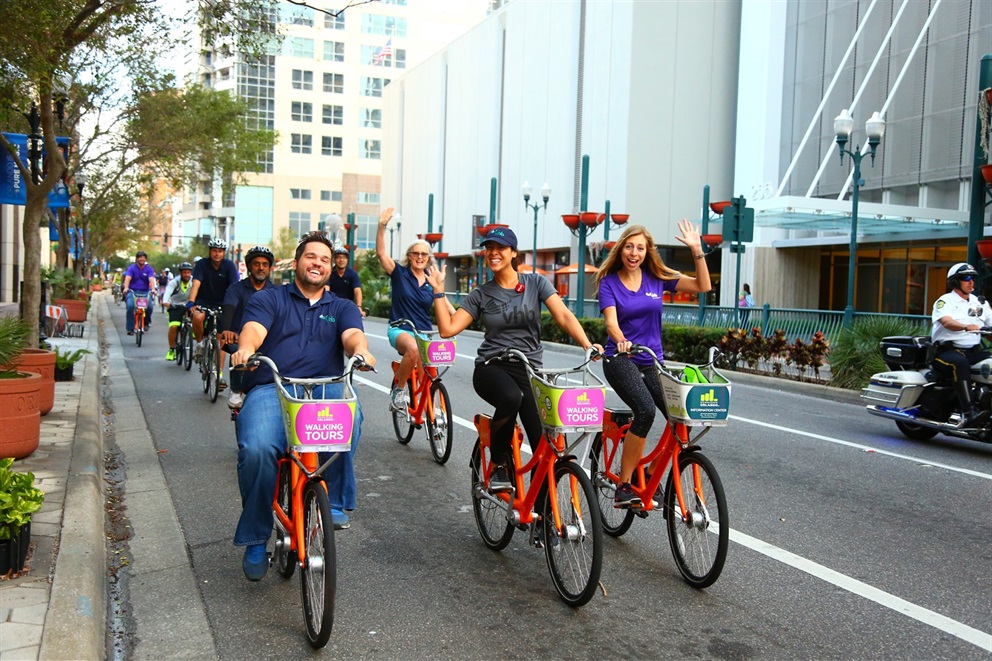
[397, 399]
[198, 352]
[235, 400]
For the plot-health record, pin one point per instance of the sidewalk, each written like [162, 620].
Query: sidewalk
[57, 608]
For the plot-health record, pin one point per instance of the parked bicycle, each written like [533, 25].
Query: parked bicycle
[427, 398]
[303, 525]
[210, 367]
[693, 502]
[568, 523]
[140, 312]
[184, 339]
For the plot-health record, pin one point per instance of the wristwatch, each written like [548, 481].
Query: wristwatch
[439, 294]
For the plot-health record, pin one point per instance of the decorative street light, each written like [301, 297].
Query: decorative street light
[545, 194]
[875, 129]
[81, 182]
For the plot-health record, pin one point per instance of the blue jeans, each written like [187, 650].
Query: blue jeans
[261, 442]
[129, 320]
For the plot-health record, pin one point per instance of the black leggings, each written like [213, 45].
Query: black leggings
[639, 388]
[506, 386]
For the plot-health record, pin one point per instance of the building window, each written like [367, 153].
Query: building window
[302, 80]
[372, 86]
[335, 196]
[334, 51]
[371, 149]
[333, 115]
[368, 198]
[334, 83]
[371, 118]
[300, 143]
[302, 111]
[296, 15]
[393, 26]
[365, 230]
[299, 193]
[298, 47]
[256, 84]
[331, 146]
[396, 59]
[299, 222]
[330, 196]
[334, 22]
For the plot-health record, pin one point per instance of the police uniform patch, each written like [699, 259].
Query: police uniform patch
[939, 305]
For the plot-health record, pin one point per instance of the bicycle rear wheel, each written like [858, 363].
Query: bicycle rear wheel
[615, 521]
[699, 555]
[318, 576]
[189, 349]
[402, 421]
[214, 385]
[491, 518]
[439, 430]
[575, 551]
[285, 558]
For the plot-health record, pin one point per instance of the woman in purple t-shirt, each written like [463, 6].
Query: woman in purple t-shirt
[632, 282]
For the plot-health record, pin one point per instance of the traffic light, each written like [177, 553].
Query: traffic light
[738, 222]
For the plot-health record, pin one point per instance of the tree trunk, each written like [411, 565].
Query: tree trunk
[33, 213]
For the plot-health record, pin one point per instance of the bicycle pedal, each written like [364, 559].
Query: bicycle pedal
[641, 513]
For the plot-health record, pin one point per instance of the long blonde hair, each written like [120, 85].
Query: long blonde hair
[652, 260]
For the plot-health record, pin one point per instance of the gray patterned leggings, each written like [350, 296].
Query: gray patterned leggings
[639, 388]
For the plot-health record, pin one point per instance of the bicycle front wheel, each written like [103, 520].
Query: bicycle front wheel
[283, 554]
[698, 553]
[402, 422]
[214, 370]
[139, 328]
[615, 521]
[491, 518]
[575, 550]
[205, 367]
[318, 577]
[189, 349]
[180, 349]
[439, 429]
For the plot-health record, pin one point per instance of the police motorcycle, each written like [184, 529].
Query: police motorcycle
[909, 393]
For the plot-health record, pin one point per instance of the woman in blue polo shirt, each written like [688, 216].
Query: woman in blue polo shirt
[412, 298]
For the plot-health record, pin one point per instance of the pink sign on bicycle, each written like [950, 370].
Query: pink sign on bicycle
[581, 407]
[440, 352]
[141, 301]
[323, 426]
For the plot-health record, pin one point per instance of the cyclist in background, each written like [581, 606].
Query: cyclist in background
[117, 281]
[413, 299]
[174, 299]
[211, 278]
[344, 282]
[163, 281]
[259, 261]
[632, 282]
[139, 278]
[306, 331]
[510, 307]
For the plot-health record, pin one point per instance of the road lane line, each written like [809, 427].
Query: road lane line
[936, 620]
[866, 448]
[880, 597]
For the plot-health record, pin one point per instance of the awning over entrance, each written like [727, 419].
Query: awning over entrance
[830, 215]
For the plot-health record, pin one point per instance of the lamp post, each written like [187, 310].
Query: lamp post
[81, 182]
[545, 195]
[875, 129]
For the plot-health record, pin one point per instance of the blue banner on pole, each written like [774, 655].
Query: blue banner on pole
[13, 188]
[53, 230]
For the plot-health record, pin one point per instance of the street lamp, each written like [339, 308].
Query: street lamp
[875, 129]
[81, 182]
[545, 194]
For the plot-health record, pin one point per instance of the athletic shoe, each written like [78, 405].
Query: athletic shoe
[625, 497]
[170, 354]
[499, 479]
[340, 519]
[256, 562]
[198, 351]
[130, 332]
[221, 383]
[397, 399]
[235, 400]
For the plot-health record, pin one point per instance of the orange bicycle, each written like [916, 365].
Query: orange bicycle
[140, 306]
[567, 523]
[304, 529]
[693, 501]
[427, 398]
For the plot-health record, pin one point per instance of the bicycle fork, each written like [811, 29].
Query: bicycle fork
[697, 517]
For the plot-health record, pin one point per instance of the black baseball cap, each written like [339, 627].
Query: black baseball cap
[503, 236]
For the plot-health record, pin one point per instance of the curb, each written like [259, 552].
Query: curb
[75, 625]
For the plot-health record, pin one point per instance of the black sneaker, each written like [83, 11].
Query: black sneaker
[625, 497]
[659, 493]
[499, 479]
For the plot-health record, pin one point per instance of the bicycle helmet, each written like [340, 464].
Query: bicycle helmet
[958, 271]
[340, 251]
[119, 269]
[185, 266]
[217, 243]
[260, 251]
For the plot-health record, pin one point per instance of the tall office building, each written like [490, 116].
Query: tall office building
[321, 90]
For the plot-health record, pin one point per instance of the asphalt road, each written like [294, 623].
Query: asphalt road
[848, 541]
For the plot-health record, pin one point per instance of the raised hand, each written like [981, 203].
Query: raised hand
[690, 234]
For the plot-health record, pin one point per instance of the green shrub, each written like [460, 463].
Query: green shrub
[855, 356]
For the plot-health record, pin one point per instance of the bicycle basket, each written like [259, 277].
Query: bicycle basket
[318, 425]
[695, 398]
[570, 408]
[436, 352]
[140, 302]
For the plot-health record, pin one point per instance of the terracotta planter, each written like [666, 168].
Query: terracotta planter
[20, 418]
[984, 248]
[14, 551]
[987, 174]
[75, 309]
[40, 361]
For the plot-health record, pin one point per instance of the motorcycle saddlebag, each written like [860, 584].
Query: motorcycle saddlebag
[905, 351]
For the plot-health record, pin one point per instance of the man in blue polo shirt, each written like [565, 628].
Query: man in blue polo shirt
[306, 331]
[344, 282]
[211, 278]
[138, 279]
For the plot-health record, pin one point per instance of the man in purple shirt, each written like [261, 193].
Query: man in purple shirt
[138, 279]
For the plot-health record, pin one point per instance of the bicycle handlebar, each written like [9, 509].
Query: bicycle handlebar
[355, 362]
[509, 353]
[640, 348]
